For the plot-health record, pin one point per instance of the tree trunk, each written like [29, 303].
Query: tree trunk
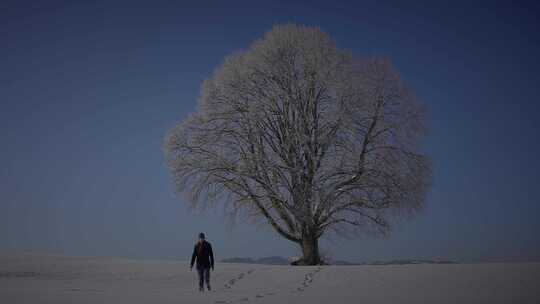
[310, 250]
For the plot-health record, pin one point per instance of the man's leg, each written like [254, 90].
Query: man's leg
[200, 272]
[207, 277]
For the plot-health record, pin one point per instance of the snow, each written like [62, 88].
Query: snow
[60, 279]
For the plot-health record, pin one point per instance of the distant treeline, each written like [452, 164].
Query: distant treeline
[278, 260]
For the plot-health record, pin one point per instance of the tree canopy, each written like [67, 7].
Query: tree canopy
[305, 136]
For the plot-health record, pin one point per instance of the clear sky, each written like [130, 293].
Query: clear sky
[89, 89]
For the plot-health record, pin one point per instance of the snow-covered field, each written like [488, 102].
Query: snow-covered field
[56, 279]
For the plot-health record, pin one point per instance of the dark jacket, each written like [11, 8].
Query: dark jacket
[204, 255]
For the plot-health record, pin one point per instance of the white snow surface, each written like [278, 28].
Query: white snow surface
[32, 278]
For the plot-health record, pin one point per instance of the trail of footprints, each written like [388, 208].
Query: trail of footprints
[245, 299]
[308, 279]
[232, 281]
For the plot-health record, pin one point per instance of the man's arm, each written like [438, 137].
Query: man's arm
[193, 256]
[211, 257]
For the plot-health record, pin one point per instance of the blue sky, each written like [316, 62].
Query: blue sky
[88, 91]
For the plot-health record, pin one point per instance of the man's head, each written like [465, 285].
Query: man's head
[201, 236]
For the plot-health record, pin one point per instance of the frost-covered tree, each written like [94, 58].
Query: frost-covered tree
[303, 135]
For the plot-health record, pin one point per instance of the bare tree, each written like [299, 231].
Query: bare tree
[299, 133]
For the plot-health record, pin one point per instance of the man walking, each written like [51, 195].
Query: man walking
[205, 260]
